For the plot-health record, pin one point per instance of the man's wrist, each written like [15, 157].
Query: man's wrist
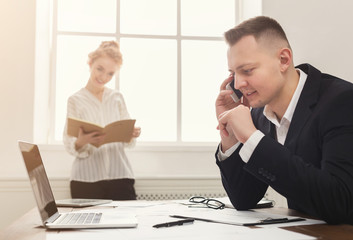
[226, 154]
[225, 145]
[250, 145]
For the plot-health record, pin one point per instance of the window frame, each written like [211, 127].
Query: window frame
[238, 11]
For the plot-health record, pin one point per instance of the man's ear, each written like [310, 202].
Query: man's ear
[285, 58]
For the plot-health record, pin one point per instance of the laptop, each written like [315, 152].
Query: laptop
[47, 207]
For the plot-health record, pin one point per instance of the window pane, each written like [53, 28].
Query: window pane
[148, 81]
[72, 72]
[207, 17]
[204, 65]
[148, 17]
[149, 75]
[87, 16]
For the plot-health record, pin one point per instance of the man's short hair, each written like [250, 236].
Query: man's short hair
[261, 27]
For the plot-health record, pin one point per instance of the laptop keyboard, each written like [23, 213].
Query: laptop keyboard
[80, 218]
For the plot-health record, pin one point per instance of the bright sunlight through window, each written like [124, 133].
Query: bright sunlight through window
[174, 59]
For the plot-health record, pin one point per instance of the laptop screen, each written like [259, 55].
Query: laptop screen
[39, 180]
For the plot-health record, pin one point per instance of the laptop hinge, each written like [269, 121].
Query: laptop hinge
[52, 218]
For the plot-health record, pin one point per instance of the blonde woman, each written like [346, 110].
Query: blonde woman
[104, 172]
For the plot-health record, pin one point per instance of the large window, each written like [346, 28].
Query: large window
[174, 60]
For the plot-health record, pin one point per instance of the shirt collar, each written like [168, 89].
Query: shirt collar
[288, 115]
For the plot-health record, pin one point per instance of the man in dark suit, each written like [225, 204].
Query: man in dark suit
[293, 129]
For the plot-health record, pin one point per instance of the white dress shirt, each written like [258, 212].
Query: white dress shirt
[281, 127]
[109, 161]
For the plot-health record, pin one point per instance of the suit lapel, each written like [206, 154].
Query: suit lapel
[307, 101]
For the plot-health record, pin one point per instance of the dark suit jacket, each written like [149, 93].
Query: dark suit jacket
[314, 168]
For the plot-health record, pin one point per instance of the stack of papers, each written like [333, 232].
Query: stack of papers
[241, 218]
[150, 213]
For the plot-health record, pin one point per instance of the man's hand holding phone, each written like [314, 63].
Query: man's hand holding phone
[224, 103]
[233, 114]
[236, 94]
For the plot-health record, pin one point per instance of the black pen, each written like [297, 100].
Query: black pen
[175, 223]
[274, 221]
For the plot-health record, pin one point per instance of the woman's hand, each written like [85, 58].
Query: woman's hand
[136, 133]
[92, 138]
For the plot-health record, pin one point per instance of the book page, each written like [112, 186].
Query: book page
[74, 124]
[119, 131]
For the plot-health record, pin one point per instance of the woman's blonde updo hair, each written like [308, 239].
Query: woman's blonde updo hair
[107, 48]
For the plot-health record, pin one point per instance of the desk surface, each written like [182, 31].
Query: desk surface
[321, 231]
[28, 227]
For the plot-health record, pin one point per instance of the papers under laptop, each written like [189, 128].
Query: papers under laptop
[81, 202]
[48, 211]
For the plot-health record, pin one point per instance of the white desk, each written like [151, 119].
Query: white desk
[150, 213]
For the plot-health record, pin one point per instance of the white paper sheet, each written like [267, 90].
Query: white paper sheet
[197, 231]
[152, 213]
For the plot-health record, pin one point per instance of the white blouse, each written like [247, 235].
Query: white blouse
[109, 161]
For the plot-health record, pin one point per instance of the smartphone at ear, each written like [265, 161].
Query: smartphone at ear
[237, 94]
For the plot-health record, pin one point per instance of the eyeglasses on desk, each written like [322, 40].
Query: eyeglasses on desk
[209, 202]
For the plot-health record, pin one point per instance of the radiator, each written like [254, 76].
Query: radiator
[174, 196]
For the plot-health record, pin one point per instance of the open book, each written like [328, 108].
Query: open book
[119, 131]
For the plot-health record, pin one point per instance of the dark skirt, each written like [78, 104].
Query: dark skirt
[117, 189]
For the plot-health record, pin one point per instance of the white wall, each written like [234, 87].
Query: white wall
[318, 31]
[17, 20]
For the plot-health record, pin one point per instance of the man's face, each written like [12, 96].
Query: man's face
[257, 71]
